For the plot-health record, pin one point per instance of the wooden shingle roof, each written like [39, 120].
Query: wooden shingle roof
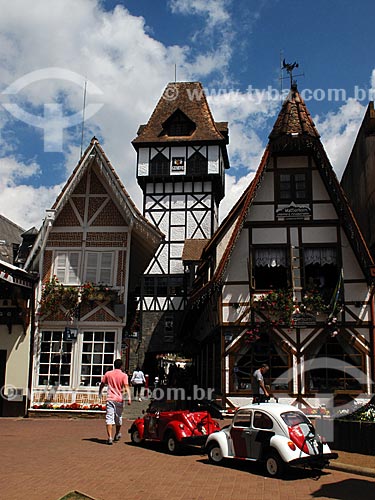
[190, 99]
[294, 118]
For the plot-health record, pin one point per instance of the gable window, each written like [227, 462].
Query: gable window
[159, 165]
[66, 267]
[197, 164]
[270, 269]
[293, 186]
[98, 267]
[178, 125]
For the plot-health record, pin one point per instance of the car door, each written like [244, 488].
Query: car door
[261, 431]
[240, 433]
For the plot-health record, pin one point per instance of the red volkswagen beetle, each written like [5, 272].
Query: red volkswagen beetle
[162, 422]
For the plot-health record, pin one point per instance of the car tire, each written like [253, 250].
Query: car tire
[173, 446]
[275, 466]
[135, 436]
[215, 455]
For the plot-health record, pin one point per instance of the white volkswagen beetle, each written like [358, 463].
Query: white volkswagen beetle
[278, 435]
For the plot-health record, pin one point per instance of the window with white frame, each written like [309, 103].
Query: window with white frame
[99, 267]
[98, 351]
[66, 267]
[54, 359]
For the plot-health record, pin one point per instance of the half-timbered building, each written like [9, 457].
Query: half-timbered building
[286, 279]
[181, 161]
[90, 253]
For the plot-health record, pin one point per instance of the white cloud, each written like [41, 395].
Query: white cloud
[25, 203]
[215, 10]
[338, 132]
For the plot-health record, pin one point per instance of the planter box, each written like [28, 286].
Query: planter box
[354, 436]
[46, 412]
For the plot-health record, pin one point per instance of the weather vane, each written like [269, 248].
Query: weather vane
[289, 67]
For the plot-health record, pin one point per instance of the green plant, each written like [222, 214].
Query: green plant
[312, 301]
[276, 306]
[55, 294]
[51, 299]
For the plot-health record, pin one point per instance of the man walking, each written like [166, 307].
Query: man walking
[260, 392]
[117, 382]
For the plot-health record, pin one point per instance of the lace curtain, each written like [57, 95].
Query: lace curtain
[270, 257]
[320, 256]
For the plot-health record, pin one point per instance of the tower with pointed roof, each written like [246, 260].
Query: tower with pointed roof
[286, 279]
[181, 162]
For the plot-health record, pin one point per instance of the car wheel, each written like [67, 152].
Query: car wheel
[135, 436]
[274, 464]
[215, 455]
[173, 446]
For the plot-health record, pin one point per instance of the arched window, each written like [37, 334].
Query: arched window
[196, 164]
[159, 165]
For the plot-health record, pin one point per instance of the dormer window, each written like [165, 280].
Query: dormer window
[178, 124]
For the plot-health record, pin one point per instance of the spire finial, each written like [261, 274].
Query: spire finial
[289, 68]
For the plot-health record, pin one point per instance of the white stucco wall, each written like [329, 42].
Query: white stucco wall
[17, 346]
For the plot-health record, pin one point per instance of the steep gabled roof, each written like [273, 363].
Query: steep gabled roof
[294, 118]
[147, 233]
[190, 99]
[294, 131]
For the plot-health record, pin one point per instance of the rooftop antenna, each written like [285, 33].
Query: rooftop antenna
[281, 71]
[289, 67]
[83, 115]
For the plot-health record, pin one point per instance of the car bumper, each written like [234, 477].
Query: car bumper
[195, 440]
[314, 460]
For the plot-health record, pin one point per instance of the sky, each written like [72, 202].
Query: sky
[127, 51]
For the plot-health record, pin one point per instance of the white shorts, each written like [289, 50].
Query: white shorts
[113, 414]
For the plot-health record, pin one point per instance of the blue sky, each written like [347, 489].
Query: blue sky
[127, 51]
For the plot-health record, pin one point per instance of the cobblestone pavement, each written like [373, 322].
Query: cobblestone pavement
[43, 459]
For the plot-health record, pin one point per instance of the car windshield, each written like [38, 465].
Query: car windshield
[292, 418]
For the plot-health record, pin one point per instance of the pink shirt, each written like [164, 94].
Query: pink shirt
[116, 381]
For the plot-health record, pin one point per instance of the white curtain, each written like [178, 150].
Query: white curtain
[320, 256]
[270, 257]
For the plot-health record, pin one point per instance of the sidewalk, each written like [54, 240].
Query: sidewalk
[355, 463]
